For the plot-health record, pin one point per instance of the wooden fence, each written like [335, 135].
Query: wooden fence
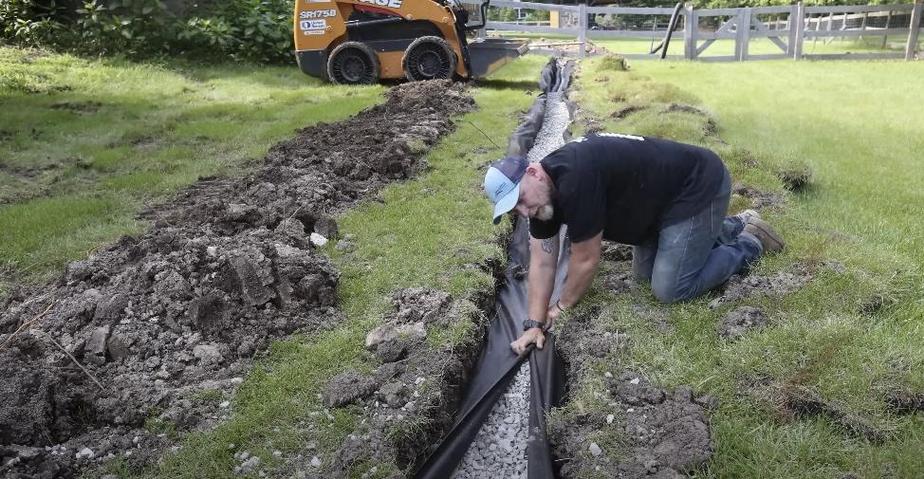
[788, 28]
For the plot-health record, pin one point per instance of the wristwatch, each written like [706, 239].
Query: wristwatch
[529, 324]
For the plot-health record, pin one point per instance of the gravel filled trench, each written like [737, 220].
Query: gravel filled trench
[499, 449]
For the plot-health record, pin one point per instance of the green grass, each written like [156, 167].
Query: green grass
[84, 145]
[861, 213]
[278, 406]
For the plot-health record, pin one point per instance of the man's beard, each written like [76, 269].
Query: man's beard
[545, 213]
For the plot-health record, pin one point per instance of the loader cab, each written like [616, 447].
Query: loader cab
[364, 41]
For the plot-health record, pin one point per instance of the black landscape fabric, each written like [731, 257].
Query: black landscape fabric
[498, 363]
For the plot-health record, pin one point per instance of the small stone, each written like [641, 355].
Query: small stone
[607, 374]
[651, 466]
[85, 453]
[634, 381]
[317, 240]
[609, 418]
[277, 454]
[224, 404]
[595, 449]
[250, 464]
[211, 251]
[315, 462]
[96, 345]
[207, 353]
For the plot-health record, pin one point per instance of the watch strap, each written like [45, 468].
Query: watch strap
[529, 324]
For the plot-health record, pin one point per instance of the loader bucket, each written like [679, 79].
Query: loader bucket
[489, 54]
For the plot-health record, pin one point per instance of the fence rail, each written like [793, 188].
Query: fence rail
[788, 28]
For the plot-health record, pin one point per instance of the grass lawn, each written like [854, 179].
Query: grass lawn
[84, 145]
[859, 227]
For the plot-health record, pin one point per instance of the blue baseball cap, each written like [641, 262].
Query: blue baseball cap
[502, 184]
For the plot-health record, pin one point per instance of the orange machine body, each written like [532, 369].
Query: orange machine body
[321, 25]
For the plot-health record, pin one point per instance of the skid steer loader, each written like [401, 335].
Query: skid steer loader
[363, 41]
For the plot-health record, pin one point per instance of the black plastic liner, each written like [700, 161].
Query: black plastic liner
[498, 363]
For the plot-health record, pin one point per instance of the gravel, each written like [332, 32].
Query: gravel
[551, 136]
[499, 449]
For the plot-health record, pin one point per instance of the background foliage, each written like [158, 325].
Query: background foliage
[253, 30]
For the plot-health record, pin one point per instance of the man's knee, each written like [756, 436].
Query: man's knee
[671, 293]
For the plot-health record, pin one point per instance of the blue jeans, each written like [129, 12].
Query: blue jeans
[686, 259]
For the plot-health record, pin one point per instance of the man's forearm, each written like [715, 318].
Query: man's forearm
[580, 276]
[542, 265]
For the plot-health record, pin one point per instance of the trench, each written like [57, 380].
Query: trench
[500, 427]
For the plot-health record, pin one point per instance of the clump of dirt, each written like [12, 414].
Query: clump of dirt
[740, 320]
[625, 111]
[759, 199]
[614, 62]
[777, 284]
[796, 176]
[145, 330]
[802, 401]
[616, 251]
[407, 402]
[82, 107]
[710, 127]
[905, 402]
[663, 433]
[649, 430]
[876, 303]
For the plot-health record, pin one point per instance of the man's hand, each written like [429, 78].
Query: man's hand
[530, 336]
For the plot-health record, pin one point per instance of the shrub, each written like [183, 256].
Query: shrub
[253, 30]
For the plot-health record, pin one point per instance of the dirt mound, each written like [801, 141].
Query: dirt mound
[759, 199]
[145, 330]
[408, 401]
[661, 433]
[804, 402]
[740, 320]
[636, 429]
[774, 285]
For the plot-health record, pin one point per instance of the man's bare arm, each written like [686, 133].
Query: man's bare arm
[543, 259]
[585, 256]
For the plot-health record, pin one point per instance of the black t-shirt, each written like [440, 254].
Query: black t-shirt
[626, 186]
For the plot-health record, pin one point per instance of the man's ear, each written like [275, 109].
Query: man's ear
[533, 170]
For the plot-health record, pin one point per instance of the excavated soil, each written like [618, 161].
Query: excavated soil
[775, 285]
[139, 336]
[660, 433]
[740, 320]
[408, 401]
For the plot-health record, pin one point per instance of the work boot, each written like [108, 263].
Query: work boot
[771, 241]
[747, 216]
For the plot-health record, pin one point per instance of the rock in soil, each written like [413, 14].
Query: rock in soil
[226, 267]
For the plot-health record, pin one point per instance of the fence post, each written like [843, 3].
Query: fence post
[690, 25]
[796, 30]
[743, 33]
[582, 26]
[914, 28]
[863, 24]
[885, 38]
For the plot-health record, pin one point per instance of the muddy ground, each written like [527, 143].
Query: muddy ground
[131, 342]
